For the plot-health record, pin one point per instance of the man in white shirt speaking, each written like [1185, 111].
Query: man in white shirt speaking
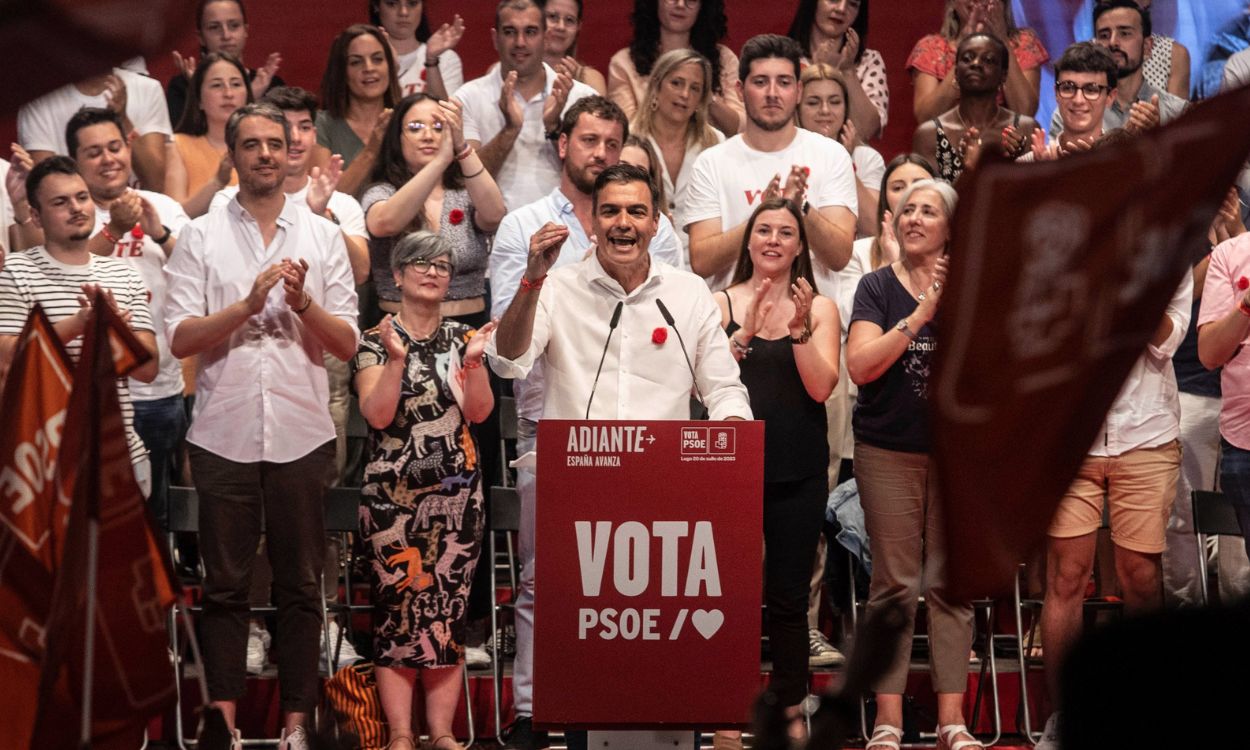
[564, 319]
[259, 291]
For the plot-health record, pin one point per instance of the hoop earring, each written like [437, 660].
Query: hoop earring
[655, 103]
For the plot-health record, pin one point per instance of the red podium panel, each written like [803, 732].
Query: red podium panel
[649, 550]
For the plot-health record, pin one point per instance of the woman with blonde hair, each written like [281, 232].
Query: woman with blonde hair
[674, 118]
[825, 109]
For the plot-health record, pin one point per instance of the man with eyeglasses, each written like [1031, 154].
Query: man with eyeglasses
[1122, 27]
[260, 290]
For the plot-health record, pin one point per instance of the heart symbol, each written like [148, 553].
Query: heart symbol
[707, 622]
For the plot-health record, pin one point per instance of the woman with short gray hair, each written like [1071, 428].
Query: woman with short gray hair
[421, 384]
[889, 356]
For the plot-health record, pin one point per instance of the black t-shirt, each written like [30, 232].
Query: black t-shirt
[1191, 376]
[893, 411]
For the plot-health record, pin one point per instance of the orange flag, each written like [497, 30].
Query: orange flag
[36, 394]
[1060, 273]
[131, 675]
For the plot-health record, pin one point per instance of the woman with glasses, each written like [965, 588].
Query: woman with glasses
[421, 384]
[429, 178]
[564, 26]
[932, 60]
[951, 139]
[662, 26]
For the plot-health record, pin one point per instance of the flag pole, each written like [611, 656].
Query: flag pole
[88, 673]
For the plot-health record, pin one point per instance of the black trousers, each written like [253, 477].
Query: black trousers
[794, 512]
[234, 498]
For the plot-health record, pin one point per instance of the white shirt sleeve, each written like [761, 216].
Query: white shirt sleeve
[835, 185]
[185, 290]
[666, 246]
[1179, 309]
[36, 130]
[338, 293]
[470, 112]
[703, 198]
[146, 107]
[351, 218]
[508, 257]
[452, 68]
[521, 366]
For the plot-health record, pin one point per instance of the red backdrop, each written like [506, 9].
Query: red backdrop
[303, 38]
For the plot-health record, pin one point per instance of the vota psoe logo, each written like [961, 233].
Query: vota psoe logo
[708, 443]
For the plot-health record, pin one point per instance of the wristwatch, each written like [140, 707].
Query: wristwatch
[908, 332]
[803, 337]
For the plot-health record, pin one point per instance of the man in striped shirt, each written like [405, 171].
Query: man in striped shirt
[62, 275]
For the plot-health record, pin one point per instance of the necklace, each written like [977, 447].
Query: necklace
[982, 128]
[412, 329]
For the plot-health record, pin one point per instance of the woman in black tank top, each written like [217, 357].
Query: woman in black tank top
[786, 340]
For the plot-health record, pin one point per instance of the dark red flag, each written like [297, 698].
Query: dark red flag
[131, 674]
[1060, 273]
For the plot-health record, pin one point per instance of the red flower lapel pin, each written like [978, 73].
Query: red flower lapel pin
[659, 335]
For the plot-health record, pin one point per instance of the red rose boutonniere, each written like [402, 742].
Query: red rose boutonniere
[659, 335]
[137, 232]
[1243, 283]
[456, 216]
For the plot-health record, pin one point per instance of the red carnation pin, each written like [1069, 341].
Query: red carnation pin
[659, 335]
[137, 232]
[423, 72]
[1243, 283]
[456, 216]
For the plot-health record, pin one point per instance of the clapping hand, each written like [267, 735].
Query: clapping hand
[889, 241]
[86, 302]
[513, 111]
[476, 348]
[545, 247]
[1143, 116]
[265, 281]
[185, 65]
[264, 75]
[801, 293]
[758, 309]
[293, 275]
[322, 182]
[553, 105]
[394, 344]
[447, 37]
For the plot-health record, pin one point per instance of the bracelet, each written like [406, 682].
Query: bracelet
[113, 239]
[464, 153]
[533, 286]
[429, 64]
[475, 174]
[307, 304]
[1243, 307]
[803, 337]
[742, 349]
[466, 364]
[164, 237]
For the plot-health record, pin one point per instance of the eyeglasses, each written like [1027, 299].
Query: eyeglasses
[416, 126]
[1091, 91]
[441, 267]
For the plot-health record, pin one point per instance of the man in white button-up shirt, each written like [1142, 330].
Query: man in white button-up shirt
[563, 319]
[259, 290]
[1134, 464]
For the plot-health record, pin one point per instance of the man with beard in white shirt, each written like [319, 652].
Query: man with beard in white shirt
[772, 157]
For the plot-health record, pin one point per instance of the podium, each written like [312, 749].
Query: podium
[649, 549]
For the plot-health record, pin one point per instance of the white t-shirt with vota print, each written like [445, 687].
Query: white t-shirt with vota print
[729, 179]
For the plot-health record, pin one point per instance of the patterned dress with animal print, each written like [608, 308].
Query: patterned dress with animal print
[421, 517]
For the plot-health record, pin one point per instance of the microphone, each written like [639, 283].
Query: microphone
[616, 318]
[668, 318]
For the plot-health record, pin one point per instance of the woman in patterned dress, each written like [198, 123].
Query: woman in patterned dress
[421, 384]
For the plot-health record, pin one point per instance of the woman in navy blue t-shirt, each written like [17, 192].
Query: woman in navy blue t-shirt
[889, 356]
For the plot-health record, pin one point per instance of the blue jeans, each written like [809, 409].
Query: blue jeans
[1235, 483]
[161, 424]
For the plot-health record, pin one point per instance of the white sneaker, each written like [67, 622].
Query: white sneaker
[258, 640]
[347, 652]
[1050, 735]
[476, 656]
[296, 740]
[821, 653]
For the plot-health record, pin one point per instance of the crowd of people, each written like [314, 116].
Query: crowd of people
[423, 243]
